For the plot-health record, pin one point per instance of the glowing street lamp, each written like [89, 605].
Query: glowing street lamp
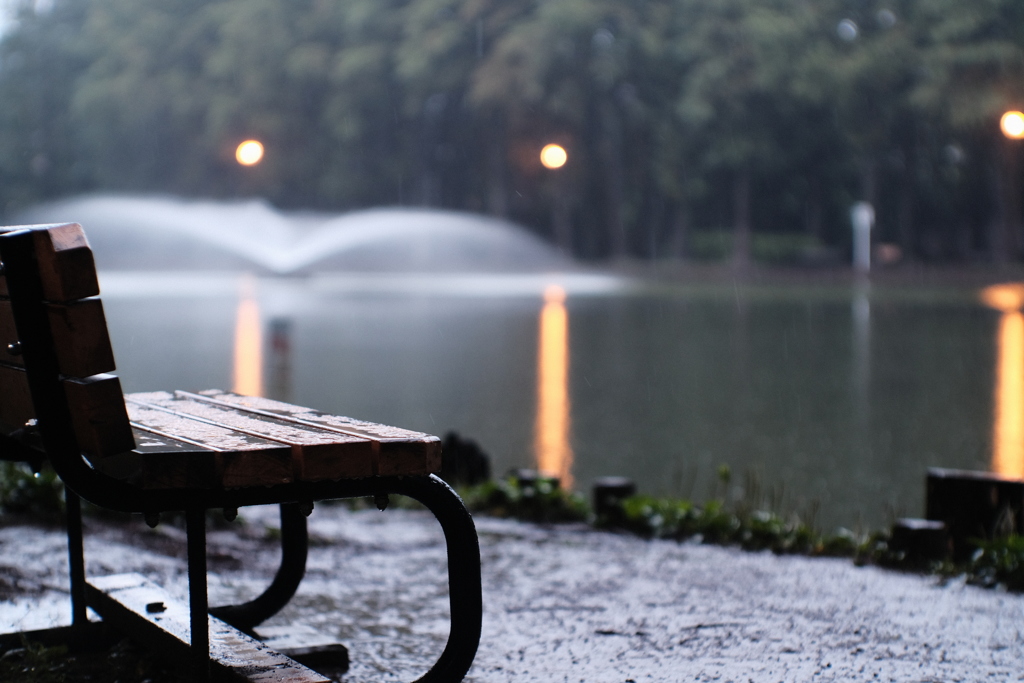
[249, 153]
[553, 156]
[1012, 125]
[1006, 240]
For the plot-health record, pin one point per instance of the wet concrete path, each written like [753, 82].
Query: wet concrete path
[563, 603]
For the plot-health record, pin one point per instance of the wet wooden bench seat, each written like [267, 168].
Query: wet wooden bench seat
[179, 450]
[219, 439]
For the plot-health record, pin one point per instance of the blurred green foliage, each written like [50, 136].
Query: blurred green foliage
[714, 522]
[999, 561]
[777, 248]
[125, 661]
[37, 493]
[745, 523]
[34, 663]
[677, 114]
[540, 501]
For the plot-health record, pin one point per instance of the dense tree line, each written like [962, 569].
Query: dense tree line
[679, 116]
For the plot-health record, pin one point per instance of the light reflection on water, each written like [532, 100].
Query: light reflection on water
[1008, 436]
[662, 385]
[248, 375]
[551, 446]
[1008, 422]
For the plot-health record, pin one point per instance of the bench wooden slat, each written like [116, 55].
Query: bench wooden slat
[80, 338]
[160, 462]
[317, 453]
[97, 410]
[401, 451]
[240, 459]
[8, 333]
[66, 265]
[15, 398]
[98, 415]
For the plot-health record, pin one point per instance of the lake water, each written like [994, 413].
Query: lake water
[835, 397]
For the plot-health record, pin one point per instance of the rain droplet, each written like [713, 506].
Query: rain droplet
[603, 39]
[847, 30]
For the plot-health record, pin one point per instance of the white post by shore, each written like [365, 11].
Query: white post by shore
[862, 216]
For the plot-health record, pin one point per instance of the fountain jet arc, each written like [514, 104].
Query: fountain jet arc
[165, 233]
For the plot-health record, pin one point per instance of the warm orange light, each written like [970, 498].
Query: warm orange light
[1008, 428]
[249, 153]
[248, 379]
[553, 156]
[554, 294]
[1005, 297]
[1012, 125]
[551, 438]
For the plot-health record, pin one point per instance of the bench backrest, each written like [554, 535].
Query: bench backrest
[55, 352]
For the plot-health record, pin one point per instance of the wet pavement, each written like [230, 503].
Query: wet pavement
[562, 603]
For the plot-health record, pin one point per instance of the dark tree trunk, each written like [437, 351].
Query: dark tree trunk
[497, 170]
[906, 215]
[741, 255]
[815, 211]
[612, 152]
[680, 230]
[655, 220]
[561, 222]
[869, 182]
[1008, 185]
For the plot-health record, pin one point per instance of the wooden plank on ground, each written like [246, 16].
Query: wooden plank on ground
[15, 398]
[241, 459]
[316, 453]
[307, 646]
[8, 334]
[98, 415]
[401, 451]
[80, 338]
[149, 614]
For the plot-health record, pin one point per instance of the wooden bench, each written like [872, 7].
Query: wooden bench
[158, 452]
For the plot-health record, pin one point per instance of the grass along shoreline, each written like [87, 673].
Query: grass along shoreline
[996, 562]
[746, 523]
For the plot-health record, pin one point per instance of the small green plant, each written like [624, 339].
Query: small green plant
[24, 491]
[999, 561]
[776, 248]
[843, 543]
[714, 522]
[540, 501]
[710, 245]
[34, 663]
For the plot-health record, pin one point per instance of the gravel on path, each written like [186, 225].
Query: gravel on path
[563, 603]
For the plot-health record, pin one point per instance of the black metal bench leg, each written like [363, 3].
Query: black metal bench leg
[464, 587]
[294, 547]
[199, 621]
[76, 559]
